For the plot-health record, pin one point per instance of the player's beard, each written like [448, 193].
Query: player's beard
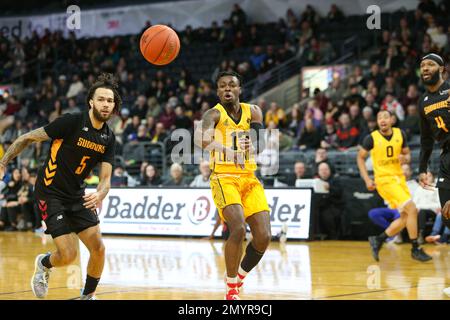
[99, 116]
[433, 79]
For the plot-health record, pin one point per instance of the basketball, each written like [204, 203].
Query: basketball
[159, 44]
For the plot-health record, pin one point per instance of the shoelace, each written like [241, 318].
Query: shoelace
[44, 278]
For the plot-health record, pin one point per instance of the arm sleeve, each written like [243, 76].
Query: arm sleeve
[426, 142]
[368, 143]
[110, 151]
[62, 126]
[405, 142]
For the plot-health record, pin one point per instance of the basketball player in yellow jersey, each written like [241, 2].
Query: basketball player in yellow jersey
[231, 132]
[388, 150]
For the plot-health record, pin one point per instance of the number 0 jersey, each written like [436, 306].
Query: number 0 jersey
[385, 152]
[227, 132]
[76, 148]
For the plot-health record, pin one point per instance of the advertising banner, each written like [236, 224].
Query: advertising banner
[191, 212]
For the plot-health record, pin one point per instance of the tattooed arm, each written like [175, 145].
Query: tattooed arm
[19, 144]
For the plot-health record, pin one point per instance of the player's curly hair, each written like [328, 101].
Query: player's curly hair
[108, 81]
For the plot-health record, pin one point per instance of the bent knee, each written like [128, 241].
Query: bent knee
[261, 241]
[98, 249]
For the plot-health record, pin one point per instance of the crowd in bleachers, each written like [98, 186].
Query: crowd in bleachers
[158, 100]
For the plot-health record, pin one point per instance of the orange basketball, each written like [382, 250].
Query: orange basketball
[159, 44]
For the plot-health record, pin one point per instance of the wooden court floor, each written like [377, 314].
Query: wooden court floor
[193, 269]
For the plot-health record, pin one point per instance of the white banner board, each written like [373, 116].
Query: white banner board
[191, 212]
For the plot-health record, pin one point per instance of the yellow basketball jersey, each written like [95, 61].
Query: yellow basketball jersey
[385, 154]
[227, 132]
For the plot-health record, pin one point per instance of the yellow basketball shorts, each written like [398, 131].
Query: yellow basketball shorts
[243, 189]
[393, 190]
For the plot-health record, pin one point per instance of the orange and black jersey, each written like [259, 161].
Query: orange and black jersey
[434, 122]
[75, 150]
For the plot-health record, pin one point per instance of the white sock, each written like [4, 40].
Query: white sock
[241, 274]
[232, 283]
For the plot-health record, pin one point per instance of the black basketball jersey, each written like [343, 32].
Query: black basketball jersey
[76, 148]
[434, 122]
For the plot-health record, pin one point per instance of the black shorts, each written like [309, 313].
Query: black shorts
[64, 218]
[443, 181]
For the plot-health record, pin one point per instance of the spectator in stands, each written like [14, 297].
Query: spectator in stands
[202, 179]
[76, 87]
[411, 97]
[130, 132]
[375, 75]
[62, 87]
[391, 86]
[328, 205]
[8, 216]
[257, 58]
[438, 234]
[160, 133]
[299, 173]
[320, 156]
[309, 136]
[346, 133]
[168, 116]
[25, 199]
[293, 120]
[275, 114]
[329, 136]
[313, 108]
[337, 89]
[72, 107]
[57, 111]
[238, 18]
[177, 178]
[411, 124]
[142, 134]
[391, 104]
[207, 95]
[335, 15]
[149, 175]
[303, 50]
[119, 179]
[356, 118]
[181, 120]
[140, 107]
[154, 109]
[371, 103]
[392, 61]
[427, 202]
[310, 15]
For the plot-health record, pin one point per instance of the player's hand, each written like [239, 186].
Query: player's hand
[370, 185]
[92, 200]
[446, 210]
[246, 144]
[423, 181]
[236, 156]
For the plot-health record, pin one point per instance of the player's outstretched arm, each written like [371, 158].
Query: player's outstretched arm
[204, 135]
[361, 161]
[93, 200]
[19, 144]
